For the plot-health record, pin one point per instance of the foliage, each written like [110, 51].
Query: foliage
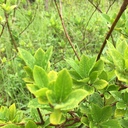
[58, 90]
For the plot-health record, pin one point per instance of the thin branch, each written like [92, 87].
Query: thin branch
[3, 27]
[10, 33]
[39, 113]
[30, 22]
[95, 6]
[113, 42]
[90, 17]
[122, 9]
[110, 6]
[65, 31]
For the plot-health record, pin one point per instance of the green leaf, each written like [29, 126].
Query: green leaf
[122, 75]
[12, 112]
[106, 17]
[93, 76]
[75, 75]
[89, 89]
[121, 46]
[100, 84]
[41, 95]
[39, 57]
[32, 88]
[73, 99]
[52, 76]
[48, 55]
[74, 65]
[117, 95]
[63, 85]
[40, 77]
[117, 59]
[100, 114]
[121, 105]
[29, 71]
[57, 117]
[126, 53]
[99, 66]
[31, 124]
[11, 126]
[126, 64]
[35, 104]
[51, 97]
[82, 81]
[125, 97]
[120, 113]
[103, 76]
[124, 123]
[85, 121]
[96, 99]
[42, 58]
[86, 64]
[111, 124]
[4, 113]
[27, 57]
[92, 125]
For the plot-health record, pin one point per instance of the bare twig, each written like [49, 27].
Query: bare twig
[10, 33]
[65, 31]
[39, 113]
[97, 8]
[3, 27]
[91, 17]
[122, 9]
[110, 6]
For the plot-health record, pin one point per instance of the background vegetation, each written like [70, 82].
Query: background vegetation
[33, 25]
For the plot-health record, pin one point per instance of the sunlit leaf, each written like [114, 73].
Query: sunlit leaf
[41, 95]
[63, 85]
[111, 123]
[73, 99]
[27, 57]
[12, 112]
[100, 84]
[86, 64]
[31, 124]
[57, 117]
[40, 77]
[74, 65]
[32, 88]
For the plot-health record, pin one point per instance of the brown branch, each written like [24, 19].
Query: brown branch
[110, 6]
[10, 33]
[122, 9]
[95, 6]
[65, 31]
[3, 27]
[39, 113]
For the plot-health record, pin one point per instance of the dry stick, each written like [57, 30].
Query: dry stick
[65, 31]
[122, 9]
